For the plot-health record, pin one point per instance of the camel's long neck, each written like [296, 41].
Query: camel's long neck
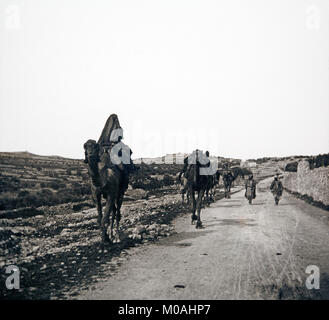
[94, 172]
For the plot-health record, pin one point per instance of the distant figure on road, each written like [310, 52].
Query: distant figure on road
[250, 188]
[276, 188]
[227, 180]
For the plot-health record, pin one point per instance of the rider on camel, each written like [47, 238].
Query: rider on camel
[118, 153]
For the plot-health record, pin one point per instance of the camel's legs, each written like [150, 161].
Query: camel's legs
[198, 207]
[184, 191]
[105, 219]
[99, 208]
[229, 192]
[112, 220]
[207, 197]
[192, 195]
[118, 216]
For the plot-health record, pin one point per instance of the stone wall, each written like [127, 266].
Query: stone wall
[313, 183]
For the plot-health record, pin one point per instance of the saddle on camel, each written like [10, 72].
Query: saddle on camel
[192, 164]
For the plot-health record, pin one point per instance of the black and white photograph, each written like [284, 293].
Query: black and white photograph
[165, 151]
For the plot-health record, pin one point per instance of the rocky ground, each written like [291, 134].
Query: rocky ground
[59, 252]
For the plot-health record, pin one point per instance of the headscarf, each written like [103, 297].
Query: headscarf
[112, 131]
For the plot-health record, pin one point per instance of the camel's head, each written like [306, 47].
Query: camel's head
[91, 151]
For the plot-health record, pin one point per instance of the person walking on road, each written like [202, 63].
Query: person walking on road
[250, 186]
[276, 188]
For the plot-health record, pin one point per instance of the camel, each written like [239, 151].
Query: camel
[227, 185]
[196, 183]
[229, 179]
[209, 192]
[211, 188]
[106, 179]
[106, 182]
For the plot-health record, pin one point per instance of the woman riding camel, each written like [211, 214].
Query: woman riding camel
[116, 152]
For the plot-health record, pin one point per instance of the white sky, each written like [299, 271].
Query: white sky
[239, 78]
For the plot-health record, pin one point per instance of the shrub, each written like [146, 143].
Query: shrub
[57, 185]
[54, 185]
[9, 184]
[46, 192]
[291, 167]
[168, 180]
[23, 193]
[321, 160]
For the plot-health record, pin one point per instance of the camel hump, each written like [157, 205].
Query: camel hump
[111, 131]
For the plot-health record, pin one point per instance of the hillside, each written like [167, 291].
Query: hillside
[29, 180]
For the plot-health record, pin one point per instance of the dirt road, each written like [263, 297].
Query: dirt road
[258, 251]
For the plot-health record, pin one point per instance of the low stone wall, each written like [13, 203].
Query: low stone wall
[313, 183]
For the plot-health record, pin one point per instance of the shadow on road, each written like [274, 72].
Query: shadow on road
[175, 239]
[227, 206]
[233, 222]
